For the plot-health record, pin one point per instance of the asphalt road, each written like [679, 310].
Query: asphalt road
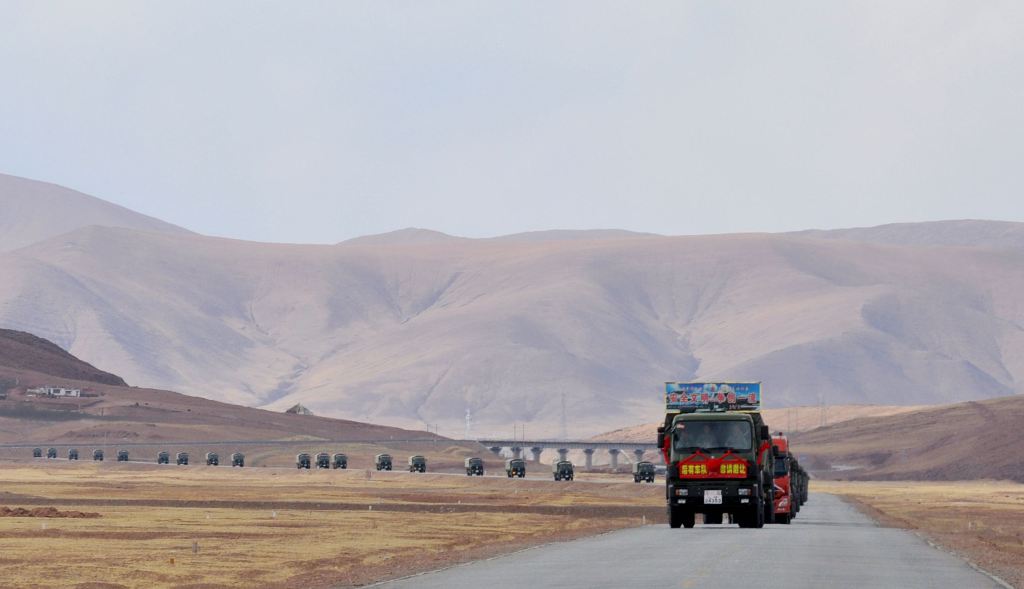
[829, 545]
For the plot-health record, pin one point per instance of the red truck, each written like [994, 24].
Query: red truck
[786, 503]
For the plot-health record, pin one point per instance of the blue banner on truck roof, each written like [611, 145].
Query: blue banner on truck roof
[691, 396]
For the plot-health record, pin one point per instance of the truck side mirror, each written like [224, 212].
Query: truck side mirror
[766, 433]
[661, 436]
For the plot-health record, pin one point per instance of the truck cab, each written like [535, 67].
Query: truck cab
[474, 467]
[212, 459]
[383, 462]
[181, 458]
[238, 459]
[515, 467]
[122, 456]
[417, 464]
[163, 458]
[340, 461]
[97, 455]
[51, 452]
[323, 460]
[718, 452]
[302, 460]
[562, 470]
[73, 454]
[643, 471]
[785, 503]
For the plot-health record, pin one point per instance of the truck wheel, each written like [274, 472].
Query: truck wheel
[680, 518]
[759, 518]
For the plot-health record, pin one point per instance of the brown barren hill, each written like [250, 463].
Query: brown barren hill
[111, 410]
[966, 441]
[24, 351]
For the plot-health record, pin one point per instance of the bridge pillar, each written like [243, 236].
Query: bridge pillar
[614, 453]
[495, 449]
[589, 454]
[517, 452]
[563, 453]
[536, 450]
[639, 453]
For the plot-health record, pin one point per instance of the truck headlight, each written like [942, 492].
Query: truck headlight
[682, 492]
[744, 491]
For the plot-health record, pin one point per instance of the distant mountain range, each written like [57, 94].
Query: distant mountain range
[417, 327]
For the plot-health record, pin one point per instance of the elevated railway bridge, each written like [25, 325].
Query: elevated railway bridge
[537, 447]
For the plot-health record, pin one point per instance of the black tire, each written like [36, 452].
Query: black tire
[680, 518]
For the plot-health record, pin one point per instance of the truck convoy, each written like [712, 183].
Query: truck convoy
[720, 455]
[785, 503]
[474, 467]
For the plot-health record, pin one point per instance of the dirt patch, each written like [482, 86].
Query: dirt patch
[45, 512]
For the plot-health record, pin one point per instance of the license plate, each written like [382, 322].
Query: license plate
[712, 497]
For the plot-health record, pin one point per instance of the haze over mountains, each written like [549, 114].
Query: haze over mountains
[416, 327]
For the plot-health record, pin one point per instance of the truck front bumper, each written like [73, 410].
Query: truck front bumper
[734, 494]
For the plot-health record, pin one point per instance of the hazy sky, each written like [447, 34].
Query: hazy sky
[319, 121]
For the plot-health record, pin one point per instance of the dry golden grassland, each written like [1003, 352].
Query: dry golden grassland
[982, 520]
[264, 527]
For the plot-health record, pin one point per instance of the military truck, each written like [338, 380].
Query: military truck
[302, 460]
[382, 461]
[719, 454]
[643, 471]
[783, 497]
[417, 463]
[181, 459]
[97, 455]
[562, 470]
[122, 456]
[339, 461]
[474, 467]
[212, 459]
[800, 482]
[515, 467]
[37, 452]
[163, 458]
[73, 454]
[51, 452]
[238, 459]
[323, 460]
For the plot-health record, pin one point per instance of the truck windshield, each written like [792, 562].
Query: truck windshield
[712, 435]
[781, 467]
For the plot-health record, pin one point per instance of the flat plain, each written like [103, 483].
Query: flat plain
[212, 527]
